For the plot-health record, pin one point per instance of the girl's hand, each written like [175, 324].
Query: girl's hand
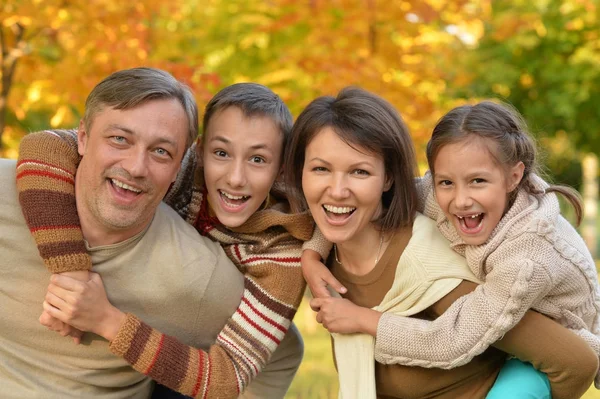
[339, 315]
[318, 276]
[83, 305]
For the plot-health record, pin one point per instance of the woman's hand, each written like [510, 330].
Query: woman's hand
[339, 315]
[318, 276]
[83, 305]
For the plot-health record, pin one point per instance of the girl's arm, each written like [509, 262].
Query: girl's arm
[567, 360]
[470, 325]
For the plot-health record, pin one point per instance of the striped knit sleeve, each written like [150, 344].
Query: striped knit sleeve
[273, 289]
[46, 184]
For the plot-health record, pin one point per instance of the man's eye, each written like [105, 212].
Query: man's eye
[162, 152]
[119, 139]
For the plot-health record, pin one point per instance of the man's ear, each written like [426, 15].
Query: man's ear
[82, 138]
[515, 175]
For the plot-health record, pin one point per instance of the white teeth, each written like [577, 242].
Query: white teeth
[472, 216]
[125, 186]
[233, 197]
[338, 209]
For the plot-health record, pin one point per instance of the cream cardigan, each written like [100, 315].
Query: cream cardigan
[427, 271]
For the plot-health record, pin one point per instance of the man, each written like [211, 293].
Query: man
[137, 126]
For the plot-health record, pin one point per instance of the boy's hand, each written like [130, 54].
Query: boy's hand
[318, 276]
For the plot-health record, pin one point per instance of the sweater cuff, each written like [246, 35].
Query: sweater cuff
[125, 336]
[319, 244]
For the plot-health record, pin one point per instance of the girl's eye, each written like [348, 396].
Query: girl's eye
[445, 183]
[257, 159]
[220, 153]
[478, 180]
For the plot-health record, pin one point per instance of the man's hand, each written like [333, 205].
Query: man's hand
[340, 315]
[318, 276]
[84, 305]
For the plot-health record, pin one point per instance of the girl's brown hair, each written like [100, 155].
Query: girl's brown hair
[505, 127]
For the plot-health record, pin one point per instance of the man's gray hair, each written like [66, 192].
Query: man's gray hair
[131, 87]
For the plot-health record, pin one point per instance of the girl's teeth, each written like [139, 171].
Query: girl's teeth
[338, 209]
[125, 186]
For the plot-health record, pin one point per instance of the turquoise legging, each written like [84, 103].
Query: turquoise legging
[520, 380]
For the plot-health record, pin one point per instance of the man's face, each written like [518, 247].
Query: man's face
[130, 158]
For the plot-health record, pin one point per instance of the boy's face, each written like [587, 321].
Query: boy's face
[242, 158]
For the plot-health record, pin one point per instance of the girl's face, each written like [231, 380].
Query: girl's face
[472, 189]
[242, 158]
[342, 186]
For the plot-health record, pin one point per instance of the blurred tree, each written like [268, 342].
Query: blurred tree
[543, 57]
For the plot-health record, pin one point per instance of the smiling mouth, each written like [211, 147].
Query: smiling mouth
[338, 213]
[471, 223]
[233, 200]
[124, 188]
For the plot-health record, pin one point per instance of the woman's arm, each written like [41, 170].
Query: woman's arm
[566, 359]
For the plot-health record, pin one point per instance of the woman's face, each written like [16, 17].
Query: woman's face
[342, 186]
[242, 158]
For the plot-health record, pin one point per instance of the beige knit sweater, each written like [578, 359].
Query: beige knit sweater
[533, 259]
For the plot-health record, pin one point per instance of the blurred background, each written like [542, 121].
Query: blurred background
[427, 56]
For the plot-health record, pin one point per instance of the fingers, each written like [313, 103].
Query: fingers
[56, 301]
[334, 283]
[319, 289]
[315, 304]
[66, 283]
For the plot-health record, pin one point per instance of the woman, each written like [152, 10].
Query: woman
[353, 159]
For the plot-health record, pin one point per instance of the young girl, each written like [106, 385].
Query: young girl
[487, 200]
[229, 198]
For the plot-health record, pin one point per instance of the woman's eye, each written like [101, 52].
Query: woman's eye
[319, 169]
[257, 159]
[220, 153]
[361, 172]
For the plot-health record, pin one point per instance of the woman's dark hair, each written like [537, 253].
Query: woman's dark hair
[503, 126]
[367, 122]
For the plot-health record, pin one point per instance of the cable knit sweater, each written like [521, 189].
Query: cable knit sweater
[266, 249]
[533, 259]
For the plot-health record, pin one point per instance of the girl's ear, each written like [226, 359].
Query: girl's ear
[515, 175]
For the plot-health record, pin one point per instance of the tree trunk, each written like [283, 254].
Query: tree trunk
[590, 202]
